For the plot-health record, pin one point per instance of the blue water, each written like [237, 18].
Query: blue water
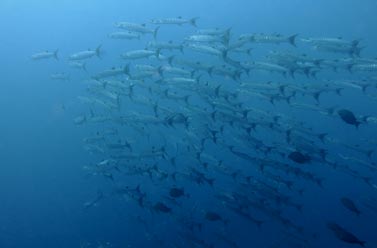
[43, 181]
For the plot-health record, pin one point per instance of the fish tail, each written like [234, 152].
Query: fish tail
[84, 67]
[158, 52]
[259, 224]
[170, 59]
[156, 32]
[98, 51]
[186, 99]
[224, 54]
[56, 54]
[356, 51]
[248, 51]
[355, 43]
[292, 40]
[126, 70]
[193, 21]
[160, 70]
[226, 36]
[357, 124]
[350, 67]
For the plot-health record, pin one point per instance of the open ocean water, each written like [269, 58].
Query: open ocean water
[177, 124]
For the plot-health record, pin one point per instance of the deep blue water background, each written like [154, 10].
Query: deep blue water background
[42, 185]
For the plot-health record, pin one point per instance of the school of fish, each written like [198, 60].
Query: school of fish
[207, 132]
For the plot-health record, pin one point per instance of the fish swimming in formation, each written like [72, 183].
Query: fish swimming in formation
[193, 112]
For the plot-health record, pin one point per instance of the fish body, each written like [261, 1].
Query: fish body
[137, 28]
[86, 54]
[175, 21]
[161, 207]
[348, 117]
[45, 55]
[78, 65]
[299, 158]
[125, 36]
[207, 39]
[138, 54]
[112, 73]
[207, 50]
[164, 46]
[344, 235]
[350, 205]
[176, 192]
[273, 39]
[60, 76]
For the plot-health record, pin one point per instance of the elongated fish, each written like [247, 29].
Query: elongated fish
[175, 21]
[273, 39]
[125, 35]
[112, 72]
[45, 55]
[86, 54]
[138, 28]
[139, 54]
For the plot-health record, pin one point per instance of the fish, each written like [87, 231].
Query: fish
[125, 35]
[46, 55]
[350, 205]
[95, 201]
[274, 38]
[175, 21]
[113, 72]
[214, 31]
[299, 158]
[331, 42]
[176, 192]
[137, 28]
[135, 194]
[348, 117]
[86, 54]
[139, 54]
[159, 46]
[161, 207]
[213, 217]
[78, 65]
[60, 76]
[207, 50]
[344, 235]
[202, 38]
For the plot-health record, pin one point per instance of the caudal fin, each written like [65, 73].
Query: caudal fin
[292, 40]
[156, 32]
[193, 21]
[126, 70]
[56, 54]
[99, 51]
